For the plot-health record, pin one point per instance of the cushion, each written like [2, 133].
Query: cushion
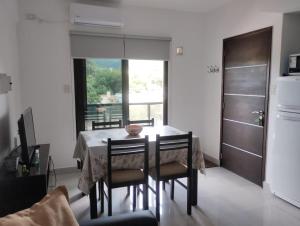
[169, 169]
[123, 176]
[52, 210]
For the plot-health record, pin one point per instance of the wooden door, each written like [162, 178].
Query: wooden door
[246, 68]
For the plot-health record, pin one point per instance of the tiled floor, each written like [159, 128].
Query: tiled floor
[224, 199]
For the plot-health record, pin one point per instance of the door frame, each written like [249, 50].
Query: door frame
[125, 91]
[79, 76]
[166, 92]
[266, 118]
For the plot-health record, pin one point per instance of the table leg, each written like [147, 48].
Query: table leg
[93, 202]
[194, 187]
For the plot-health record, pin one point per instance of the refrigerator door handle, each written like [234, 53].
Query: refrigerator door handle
[288, 107]
[288, 118]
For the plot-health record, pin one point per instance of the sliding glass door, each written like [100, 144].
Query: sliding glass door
[146, 79]
[113, 89]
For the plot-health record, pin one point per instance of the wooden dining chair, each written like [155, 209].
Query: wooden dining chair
[126, 177]
[173, 170]
[106, 125]
[102, 126]
[146, 122]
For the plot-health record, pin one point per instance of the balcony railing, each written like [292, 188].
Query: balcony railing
[113, 112]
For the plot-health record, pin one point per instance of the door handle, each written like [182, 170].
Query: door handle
[261, 117]
[258, 112]
[255, 112]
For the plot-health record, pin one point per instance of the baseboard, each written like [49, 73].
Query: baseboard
[66, 170]
[267, 188]
[287, 199]
[212, 159]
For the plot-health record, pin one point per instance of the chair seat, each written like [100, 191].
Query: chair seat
[169, 169]
[125, 176]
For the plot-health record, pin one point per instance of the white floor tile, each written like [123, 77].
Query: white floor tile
[224, 199]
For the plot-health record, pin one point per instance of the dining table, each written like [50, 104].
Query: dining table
[91, 149]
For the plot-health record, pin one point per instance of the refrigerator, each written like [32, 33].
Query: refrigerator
[286, 141]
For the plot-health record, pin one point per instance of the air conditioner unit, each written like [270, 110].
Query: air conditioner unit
[92, 15]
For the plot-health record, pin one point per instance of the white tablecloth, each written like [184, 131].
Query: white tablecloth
[93, 151]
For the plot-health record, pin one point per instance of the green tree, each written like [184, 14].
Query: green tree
[100, 80]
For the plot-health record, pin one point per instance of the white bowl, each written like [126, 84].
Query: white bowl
[133, 129]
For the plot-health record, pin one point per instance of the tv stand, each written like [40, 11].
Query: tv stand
[19, 191]
[31, 155]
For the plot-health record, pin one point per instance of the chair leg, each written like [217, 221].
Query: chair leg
[128, 190]
[145, 197]
[164, 185]
[102, 195]
[134, 197]
[172, 190]
[157, 201]
[189, 195]
[109, 202]
[138, 190]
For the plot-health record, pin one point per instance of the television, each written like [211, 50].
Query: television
[27, 137]
[5, 142]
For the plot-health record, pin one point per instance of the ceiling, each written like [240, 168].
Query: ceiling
[179, 5]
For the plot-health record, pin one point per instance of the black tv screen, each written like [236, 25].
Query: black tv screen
[27, 136]
[4, 128]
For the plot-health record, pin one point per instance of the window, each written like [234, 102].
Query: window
[146, 79]
[104, 91]
[113, 89]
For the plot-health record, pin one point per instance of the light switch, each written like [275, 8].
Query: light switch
[179, 51]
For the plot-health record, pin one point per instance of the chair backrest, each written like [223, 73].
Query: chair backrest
[145, 122]
[128, 147]
[172, 143]
[106, 125]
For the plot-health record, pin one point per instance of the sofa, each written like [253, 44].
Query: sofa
[139, 218]
[54, 210]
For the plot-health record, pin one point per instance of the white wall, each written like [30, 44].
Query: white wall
[279, 5]
[9, 58]
[228, 21]
[46, 67]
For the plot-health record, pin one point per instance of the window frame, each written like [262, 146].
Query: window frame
[79, 65]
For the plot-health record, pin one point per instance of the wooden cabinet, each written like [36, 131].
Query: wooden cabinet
[19, 192]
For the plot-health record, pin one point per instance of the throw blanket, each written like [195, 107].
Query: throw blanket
[52, 210]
